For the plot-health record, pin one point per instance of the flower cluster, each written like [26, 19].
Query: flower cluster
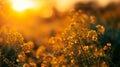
[78, 45]
[14, 38]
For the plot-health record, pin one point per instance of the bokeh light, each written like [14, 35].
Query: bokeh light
[21, 5]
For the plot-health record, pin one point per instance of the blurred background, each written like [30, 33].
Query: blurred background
[38, 20]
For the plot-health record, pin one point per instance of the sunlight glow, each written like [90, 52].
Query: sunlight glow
[21, 5]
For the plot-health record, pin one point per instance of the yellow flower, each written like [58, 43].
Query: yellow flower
[101, 29]
[96, 54]
[72, 61]
[92, 34]
[79, 52]
[109, 44]
[32, 64]
[105, 48]
[21, 57]
[85, 47]
[94, 38]
[101, 53]
[103, 64]
[92, 18]
[54, 60]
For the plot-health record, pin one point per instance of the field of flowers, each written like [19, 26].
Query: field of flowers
[80, 38]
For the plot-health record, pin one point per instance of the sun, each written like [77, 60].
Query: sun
[21, 5]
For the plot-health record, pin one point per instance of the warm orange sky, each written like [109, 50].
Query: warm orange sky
[30, 22]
